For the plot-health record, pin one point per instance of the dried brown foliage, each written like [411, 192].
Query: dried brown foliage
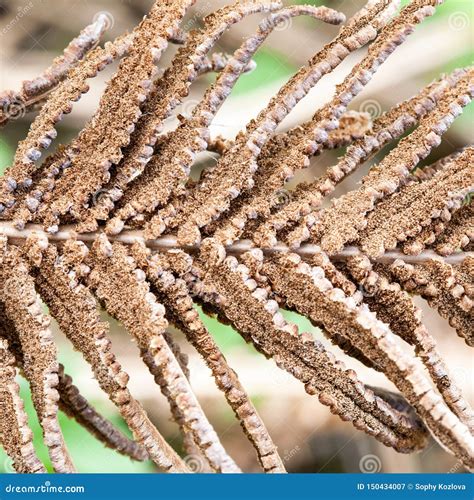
[229, 244]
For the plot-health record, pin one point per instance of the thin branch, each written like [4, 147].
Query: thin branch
[164, 243]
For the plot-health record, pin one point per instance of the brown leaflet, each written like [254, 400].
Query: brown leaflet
[14, 103]
[459, 231]
[429, 233]
[309, 293]
[23, 308]
[268, 191]
[170, 168]
[72, 402]
[234, 171]
[121, 286]
[60, 102]
[174, 295]
[16, 437]
[72, 304]
[313, 136]
[77, 407]
[29, 201]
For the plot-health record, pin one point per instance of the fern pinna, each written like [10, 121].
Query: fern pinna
[113, 220]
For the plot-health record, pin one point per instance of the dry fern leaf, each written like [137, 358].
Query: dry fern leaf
[416, 205]
[168, 92]
[71, 401]
[133, 82]
[294, 219]
[234, 171]
[170, 168]
[60, 102]
[312, 137]
[72, 304]
[32, 92]
[174, 295]
[430, 232]
[15, 435]
[236, 296]
[23, 308]
[122, 170]
[302, 285]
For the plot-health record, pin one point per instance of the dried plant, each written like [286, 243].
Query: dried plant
[113, 220]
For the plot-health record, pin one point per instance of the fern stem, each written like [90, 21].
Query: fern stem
[129, 237]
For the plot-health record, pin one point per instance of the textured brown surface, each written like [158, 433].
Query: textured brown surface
[168, 92]
[273, 172]
[308, 197]
[248, 309]
[23, 308]
[32, 91]
[122, 288]
[72, 304]
[175, 159]
[416, 205]
[43, 129]
[235, 170]
[15, 435]
[77, 407]
[122, 170]
[174, 295]
[109, 130]
[459, 233]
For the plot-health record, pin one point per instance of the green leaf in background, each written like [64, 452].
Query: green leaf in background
[6, 154]
[271, 66]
